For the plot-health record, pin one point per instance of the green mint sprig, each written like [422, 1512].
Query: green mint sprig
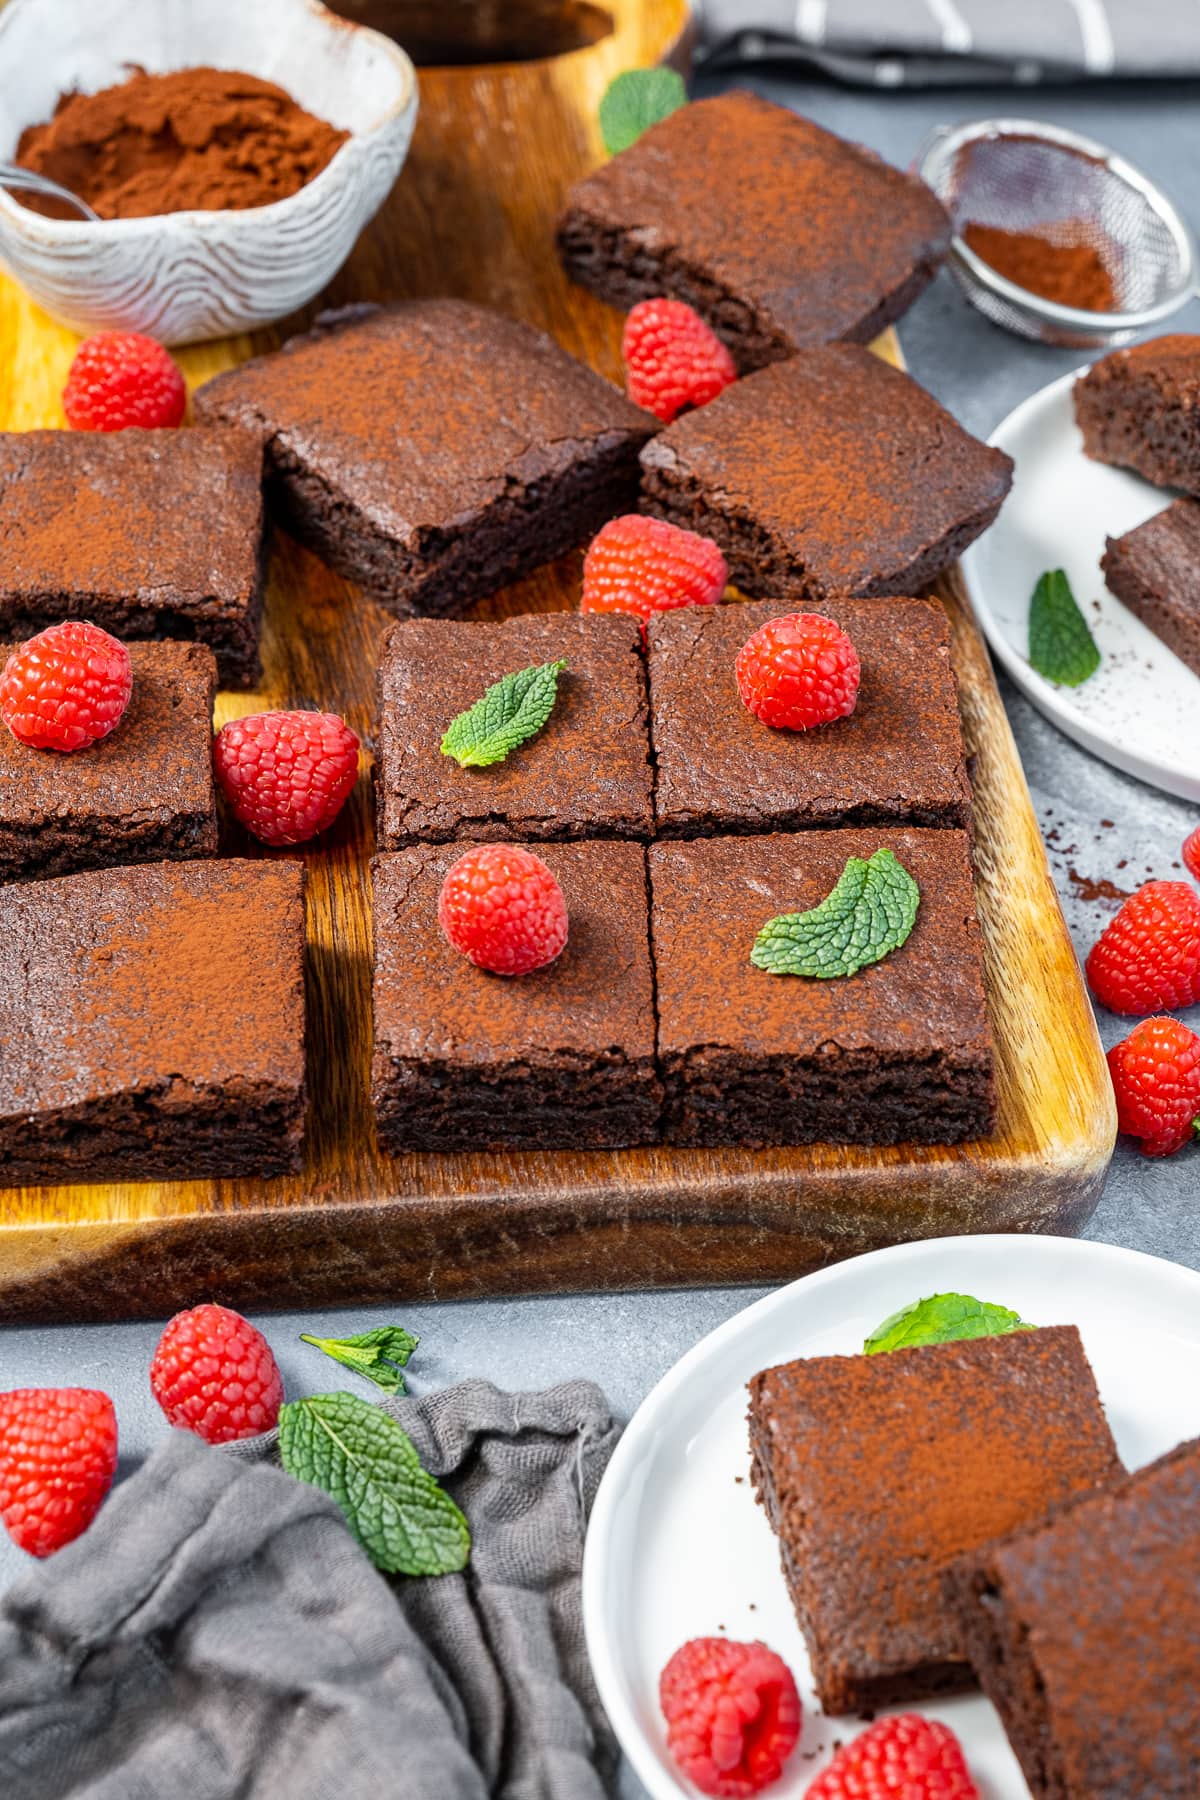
[511, 711]
[634, 101]
[365, 1461]
[868, 913]
[379, 1355]
[1061, 646]
[943, 1319]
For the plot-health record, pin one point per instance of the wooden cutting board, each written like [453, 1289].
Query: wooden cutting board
[472, 214]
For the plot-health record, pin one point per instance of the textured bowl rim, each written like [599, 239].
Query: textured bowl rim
[75, 233]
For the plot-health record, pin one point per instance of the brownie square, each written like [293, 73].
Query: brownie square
[779, 233]
[433, 451]
[152, 1023]
[1140, 409]
[899, 756]
[833, 473]
[143, 794]
[151, 534]
[559, 1059]
[877, 1472]
[900, 1052]
[1155, 570]
[1085, 1635]
[586, 773]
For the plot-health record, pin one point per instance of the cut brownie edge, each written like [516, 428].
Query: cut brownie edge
[33, 854]
[1154, 570]
[574, 1102]
[233, 641]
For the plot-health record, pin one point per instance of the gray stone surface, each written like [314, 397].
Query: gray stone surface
[1098, 824]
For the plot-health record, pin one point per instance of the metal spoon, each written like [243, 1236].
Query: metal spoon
[13, 175]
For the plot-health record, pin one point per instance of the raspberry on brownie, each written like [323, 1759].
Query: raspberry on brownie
[778, 233]
[1140, 409]
[832, 473]
[433, 451]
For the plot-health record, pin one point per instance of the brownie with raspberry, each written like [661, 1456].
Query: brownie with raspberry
[832, 473]
[879, 1472]
[152, 1023]
[143, 794]
[1154, 570]
[562, 1058]
[432, 450]
[898, 756]
[900, 1052]
[778, 233]
[1138, 408]
[1084, 1632]
[585, 774]
[150, 534]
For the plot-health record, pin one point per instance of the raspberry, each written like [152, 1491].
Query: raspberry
[213, 1373]
[1191, 853]
[1156, 1078]
[673, 360]
[58, 1455]
[903, 1758]
[732, 1712]
[640, 565]
[66, 688]
[1148, 956]
[501, 907]
[798, 671]
[287, 775]
[120, 378]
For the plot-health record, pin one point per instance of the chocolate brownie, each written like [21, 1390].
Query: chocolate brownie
[1140, 409]
[900, 1052]
[779, 233]
[152, 534]
[898, 756]
[152, 1023]
[1084, 1633]
[433, 451]
[1155, 570]
[144, 794]
[559, 1059]
[833, 473]
[877, 1472]
[585, 774]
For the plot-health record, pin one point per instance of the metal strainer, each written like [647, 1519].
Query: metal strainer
[1024, 176]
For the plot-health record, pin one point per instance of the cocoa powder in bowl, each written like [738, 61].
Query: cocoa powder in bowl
[205, 139]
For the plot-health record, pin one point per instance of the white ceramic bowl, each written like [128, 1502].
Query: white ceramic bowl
[190, 275]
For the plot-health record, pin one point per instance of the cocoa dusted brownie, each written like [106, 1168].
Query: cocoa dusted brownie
[151, 534]
[900, 1052]
[1140, 409]
[143, 794]
[433, 451]
[779, 233]
[899, 756]
[152, 1023]
[832, 473]
[585, 774]
[877, 1472]
[1084, 1633]
[1155, 570]
[559, 1059]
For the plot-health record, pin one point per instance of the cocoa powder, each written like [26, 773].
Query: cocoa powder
[208, 139]
[1073, 274]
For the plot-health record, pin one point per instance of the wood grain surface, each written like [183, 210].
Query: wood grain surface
[472, 214]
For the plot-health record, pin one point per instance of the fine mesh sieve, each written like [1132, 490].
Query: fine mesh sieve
[1028, 177]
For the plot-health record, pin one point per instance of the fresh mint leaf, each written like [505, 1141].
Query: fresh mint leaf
[360, 1456]
[866, 915]
[1061, 647]
[512, 710]
[380, 1355]
[943, 1319]
[634, 101]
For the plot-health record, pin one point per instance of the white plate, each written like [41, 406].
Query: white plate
[678, 1548]
[1139, 710]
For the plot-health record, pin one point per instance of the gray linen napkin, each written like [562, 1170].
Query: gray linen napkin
[913, 43]
[218, 1635]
